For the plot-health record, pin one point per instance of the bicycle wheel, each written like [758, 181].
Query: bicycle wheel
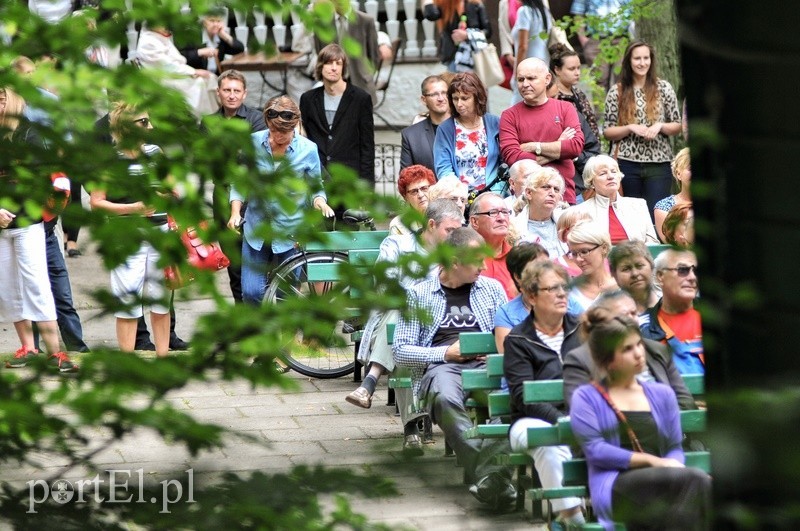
[290, 280]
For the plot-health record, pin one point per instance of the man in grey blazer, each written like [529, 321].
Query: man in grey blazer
[579, 366]
[417, 139]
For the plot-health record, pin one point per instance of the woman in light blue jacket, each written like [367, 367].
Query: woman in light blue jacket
[467, 144]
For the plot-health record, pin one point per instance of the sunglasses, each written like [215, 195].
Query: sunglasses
[285, 115]
[683, 270]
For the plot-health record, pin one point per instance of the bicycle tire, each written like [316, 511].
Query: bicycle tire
[290, 279]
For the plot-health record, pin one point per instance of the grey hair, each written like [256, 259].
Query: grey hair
[464, 237]
[476, 205]
[522, 168]
[664, 258]
[594, 164]
[441, 209]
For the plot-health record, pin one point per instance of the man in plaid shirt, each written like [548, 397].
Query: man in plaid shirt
[458, 300]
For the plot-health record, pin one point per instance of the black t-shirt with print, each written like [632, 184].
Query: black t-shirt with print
[458, 317]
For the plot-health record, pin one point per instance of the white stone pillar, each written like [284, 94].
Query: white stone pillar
[429, 45]
[411, 24]
[392, 24]
[241, 30]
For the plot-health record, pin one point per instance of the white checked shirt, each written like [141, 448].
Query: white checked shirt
[413, 337]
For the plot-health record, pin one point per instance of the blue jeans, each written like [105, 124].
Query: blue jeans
[256, 266]
[652, 181]
[69, 323]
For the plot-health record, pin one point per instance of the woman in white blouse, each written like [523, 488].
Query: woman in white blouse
[625, 218]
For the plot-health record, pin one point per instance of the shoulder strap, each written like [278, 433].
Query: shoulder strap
[620, 416]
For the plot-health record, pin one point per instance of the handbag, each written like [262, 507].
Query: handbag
[487, 66]
[202, 256]
[557, 35]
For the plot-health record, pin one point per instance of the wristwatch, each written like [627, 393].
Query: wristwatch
[537, 147]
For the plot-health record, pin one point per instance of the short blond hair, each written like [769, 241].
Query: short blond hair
[593, 166]
[591, 232]
[542, 176]
[681, 162]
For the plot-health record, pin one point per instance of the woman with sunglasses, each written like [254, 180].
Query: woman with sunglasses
[414, 184]
[534, 350]
[623, 218]
[630, 433]
[278, 149]
[589, 246]
[140, 277]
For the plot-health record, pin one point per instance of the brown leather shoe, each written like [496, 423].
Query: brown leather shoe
[360, 397]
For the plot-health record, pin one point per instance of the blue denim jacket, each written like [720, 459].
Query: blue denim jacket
[303, 156]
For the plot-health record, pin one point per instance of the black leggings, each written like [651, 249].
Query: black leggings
[662, 498]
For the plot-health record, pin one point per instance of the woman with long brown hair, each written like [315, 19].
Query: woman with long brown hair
[448, 16]
[629, 430]
[641, 114]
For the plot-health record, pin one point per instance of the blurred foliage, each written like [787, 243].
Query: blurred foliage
[114, 394]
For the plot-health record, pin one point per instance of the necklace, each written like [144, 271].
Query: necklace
[475, 126]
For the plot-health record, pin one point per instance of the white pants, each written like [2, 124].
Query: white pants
[547, 459]
[140, 278]
[200, 93]
[24, 283]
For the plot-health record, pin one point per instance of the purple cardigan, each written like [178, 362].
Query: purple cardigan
[597, 430]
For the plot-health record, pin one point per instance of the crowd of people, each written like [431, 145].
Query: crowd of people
[552, 256]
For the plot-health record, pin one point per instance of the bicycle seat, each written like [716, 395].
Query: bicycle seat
[356, 216]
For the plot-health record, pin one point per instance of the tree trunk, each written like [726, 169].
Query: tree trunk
[740, 67]
[658, 27]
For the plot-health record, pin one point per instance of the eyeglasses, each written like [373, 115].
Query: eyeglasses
[422, 190]
[683, 271]
[582, 253]
[144, 122]
[556, 288]
[495, 212]
[286, 115]
[436, 95]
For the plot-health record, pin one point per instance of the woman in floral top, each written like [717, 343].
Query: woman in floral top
[641, 114]
[467, 144]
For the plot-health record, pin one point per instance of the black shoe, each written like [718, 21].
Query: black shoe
[495, 491]
[176, 343]
[144, 345]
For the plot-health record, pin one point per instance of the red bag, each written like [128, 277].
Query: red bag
[207, 256]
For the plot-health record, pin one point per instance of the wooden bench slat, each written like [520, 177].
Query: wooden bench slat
[543, 391]
[489, 431]
[494, 365]
[477, 343]
[399, 383]
[348, 241]
[558, 492]
[695, 383]
[474, 379]
[499, 403]
[363, 257]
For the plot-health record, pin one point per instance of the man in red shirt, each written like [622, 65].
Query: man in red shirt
[490, 216]
[545, 130]
[673, 320]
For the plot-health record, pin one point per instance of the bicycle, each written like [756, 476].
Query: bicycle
[290, 279]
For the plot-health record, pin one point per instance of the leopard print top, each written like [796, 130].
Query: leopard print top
[634, 147]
